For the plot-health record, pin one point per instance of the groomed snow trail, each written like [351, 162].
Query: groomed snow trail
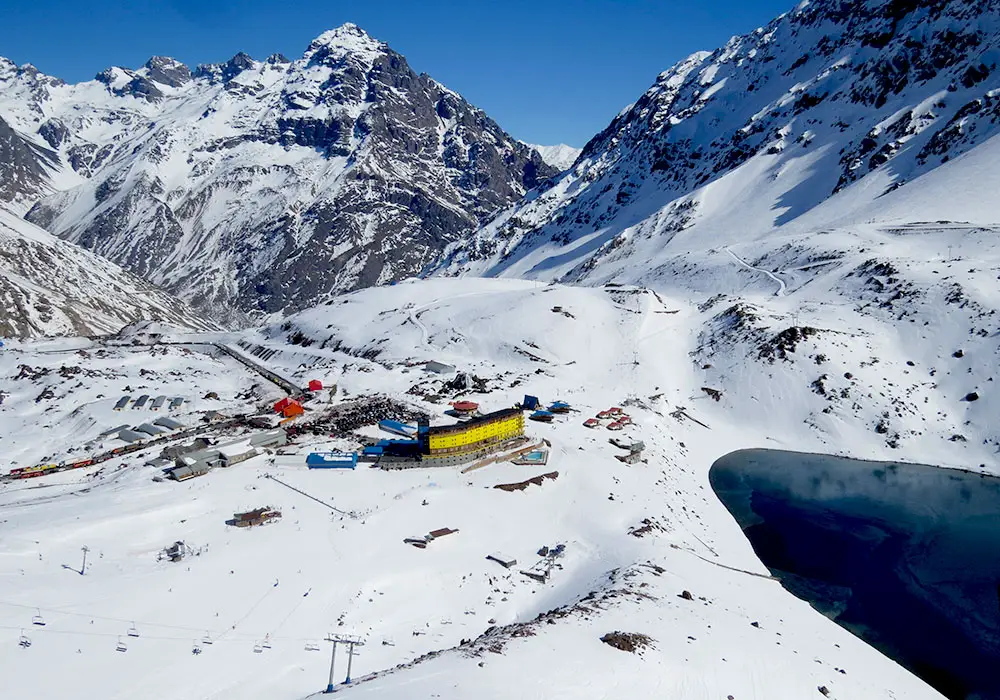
[744, 263]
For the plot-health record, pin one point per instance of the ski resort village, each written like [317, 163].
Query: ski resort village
[315, 381]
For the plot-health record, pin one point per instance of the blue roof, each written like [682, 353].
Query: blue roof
[542, 413]
[559, 404]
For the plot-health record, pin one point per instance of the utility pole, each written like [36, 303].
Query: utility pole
[83, 566]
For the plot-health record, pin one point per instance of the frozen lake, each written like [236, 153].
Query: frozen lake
[905, 556]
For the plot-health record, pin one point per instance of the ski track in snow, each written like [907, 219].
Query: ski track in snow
[781, 284]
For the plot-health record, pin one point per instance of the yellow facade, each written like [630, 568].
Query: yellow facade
[496, 431]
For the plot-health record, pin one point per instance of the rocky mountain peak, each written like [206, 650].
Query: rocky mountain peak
[339, 170]
[346, 39]
[167, 71]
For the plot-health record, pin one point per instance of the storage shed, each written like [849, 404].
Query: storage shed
[269, 439]
[168, 423]
[141, 401]
[188, 471]
[122, 402]
[158, 403]
[131, 436]
[235, 453]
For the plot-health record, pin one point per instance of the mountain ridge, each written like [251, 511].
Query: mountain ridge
[341, 169]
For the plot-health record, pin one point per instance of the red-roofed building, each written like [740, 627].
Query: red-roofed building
[315, 385]
[289, 407]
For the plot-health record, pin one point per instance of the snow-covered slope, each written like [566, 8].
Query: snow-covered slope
[838, 112]
[559, 156]
[51, 287]
[637, 536]
[261, 185]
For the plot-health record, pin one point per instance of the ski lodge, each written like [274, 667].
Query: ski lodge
[449, 445]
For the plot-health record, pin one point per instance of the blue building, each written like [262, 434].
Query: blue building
[332, 460]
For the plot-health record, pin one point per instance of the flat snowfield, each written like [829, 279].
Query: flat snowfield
[443, 621]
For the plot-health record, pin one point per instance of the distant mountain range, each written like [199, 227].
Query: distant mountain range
[259, 186]
[253, 186]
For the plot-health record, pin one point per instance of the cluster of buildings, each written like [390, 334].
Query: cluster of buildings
[200, 457]
[144, 401]
[442, 446]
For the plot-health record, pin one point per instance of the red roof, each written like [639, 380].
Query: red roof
[294, 408]
[287, 404]
[315, 385]
[464, 405]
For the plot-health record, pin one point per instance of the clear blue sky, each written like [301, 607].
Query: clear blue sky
[547, 71]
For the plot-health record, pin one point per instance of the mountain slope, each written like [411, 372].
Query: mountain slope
[342, 169]
[51, 287]
[559, 156]
[823, 117]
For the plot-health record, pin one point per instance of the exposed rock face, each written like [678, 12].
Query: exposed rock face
[837, 101]
[24, 167]
[51, 287]
[261, 186]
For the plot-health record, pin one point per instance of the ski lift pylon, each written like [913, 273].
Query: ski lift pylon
[133, 631]
[38, 619]
[122, 646]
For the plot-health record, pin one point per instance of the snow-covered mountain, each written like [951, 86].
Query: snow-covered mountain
[443, 621]
[262, 185]
[559, 156]
[51, 287]
[832, 114]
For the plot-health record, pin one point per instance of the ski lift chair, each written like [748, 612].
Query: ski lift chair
[257, 648]
[207, 639]
[122, 646]
[312, 646]
[195, 648]
[133, 631]
[267, 642]
[38, 619]
[23, 641]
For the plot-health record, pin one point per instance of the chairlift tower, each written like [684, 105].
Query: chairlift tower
[83, 566]
[351, 641]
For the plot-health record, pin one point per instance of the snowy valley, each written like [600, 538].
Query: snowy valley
[636, 536]
[787, 243]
